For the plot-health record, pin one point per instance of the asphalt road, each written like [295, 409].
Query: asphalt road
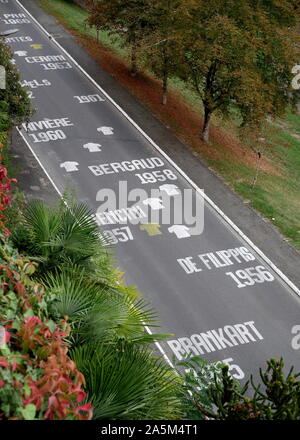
[211, 289]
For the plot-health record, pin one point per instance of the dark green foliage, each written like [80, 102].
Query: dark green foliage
[97, 312]
[280, 397]
[4, 118]
[14, 97]
[54, 235]
[277, 397]
[124, 381]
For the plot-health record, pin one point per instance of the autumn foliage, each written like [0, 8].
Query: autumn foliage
[5, 187]
[236, 55]
[37, 378]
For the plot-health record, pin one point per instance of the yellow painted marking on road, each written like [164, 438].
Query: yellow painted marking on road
[36, 46]
[151, 228]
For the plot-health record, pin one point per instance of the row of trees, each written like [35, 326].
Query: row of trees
[237, 55]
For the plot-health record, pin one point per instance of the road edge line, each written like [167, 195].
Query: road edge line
[39, 162]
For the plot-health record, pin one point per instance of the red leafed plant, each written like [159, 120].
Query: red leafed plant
[58, 391]
[35, 370]
[5, 195]
[37, 378]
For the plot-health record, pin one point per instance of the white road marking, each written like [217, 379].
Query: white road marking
[216, 339]
[69, 166]
[181, 231]
[21, 53]
[154, 203]
[107, 131]
[40, 163]
[296, 339]
[170, 189]
[92, 147]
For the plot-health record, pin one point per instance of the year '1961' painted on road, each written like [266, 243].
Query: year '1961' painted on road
[86, 99]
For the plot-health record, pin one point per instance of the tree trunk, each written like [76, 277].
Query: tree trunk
[133, 71]
[205, 129]
[257, 170]
[165, 90]
[165, 75]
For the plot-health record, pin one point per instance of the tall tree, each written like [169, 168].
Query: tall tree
[162, 47]
[239, 55]
[127, 18]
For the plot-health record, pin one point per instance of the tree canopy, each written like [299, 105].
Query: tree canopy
[237, 55]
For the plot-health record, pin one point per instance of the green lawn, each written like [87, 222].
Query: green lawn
[73, 16]
[277, 192]
[278, 196]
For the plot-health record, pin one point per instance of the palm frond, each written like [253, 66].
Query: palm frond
[42, 222]
[72, 295]
[118, 318]
[98, 314]
[63, 234]
[126, 382]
